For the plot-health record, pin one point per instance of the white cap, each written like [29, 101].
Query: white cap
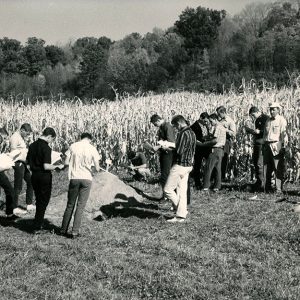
[275, 104]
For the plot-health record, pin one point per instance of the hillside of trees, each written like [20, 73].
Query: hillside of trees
[204, 50]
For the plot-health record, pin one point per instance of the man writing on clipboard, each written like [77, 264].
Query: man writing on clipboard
[165, 135]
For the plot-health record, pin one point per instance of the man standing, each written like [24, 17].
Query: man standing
[4, 181]
[275, 140]
[81, 158]
[201, 130]
[214, 160]
[165, 133]
[230, 127]
[18, 142]
[177, 182]
[39, 160]
[257, 133]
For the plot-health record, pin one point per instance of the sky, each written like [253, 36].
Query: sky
[59, 21]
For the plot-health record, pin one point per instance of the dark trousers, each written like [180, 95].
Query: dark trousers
[198, 158]
[42, 186]
[225, 159]
[9, 193]
[21, 172]
[79, 189]
[273, 163]
[214, 161]
[258, 163]
[166, 162]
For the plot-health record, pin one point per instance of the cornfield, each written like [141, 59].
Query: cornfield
[122, 125]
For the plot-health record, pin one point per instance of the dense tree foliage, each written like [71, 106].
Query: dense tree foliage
[205, 50]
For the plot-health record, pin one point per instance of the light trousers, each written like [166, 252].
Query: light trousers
[176, 188]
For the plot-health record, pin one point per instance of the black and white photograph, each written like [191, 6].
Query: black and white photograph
[149, 149]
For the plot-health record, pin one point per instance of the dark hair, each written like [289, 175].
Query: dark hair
[213, 116]
[204, 115]
[131, 154]
[221, 109]
[86, 135]
[26, 127]
[154, 118]
[178, 119]
[3, 131]
[49, 131]
[253, 110]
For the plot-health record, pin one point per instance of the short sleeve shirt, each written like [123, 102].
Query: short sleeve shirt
[220, 135]
[228, 123]
[275, 129]
[39, 153]
[81, 156]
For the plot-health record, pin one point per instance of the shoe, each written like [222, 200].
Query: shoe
[176, 220]
[205, 190]
[39, 231]
[11, 217]
[75, 235]
[215, 190]
[31, 207]
[19, 211]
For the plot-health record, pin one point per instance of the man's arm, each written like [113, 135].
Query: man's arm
[283, 134]
[138, 167]
[96, 164]
[231, 130]
[210, 143]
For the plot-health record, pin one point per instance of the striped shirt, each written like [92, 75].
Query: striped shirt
[185, 147]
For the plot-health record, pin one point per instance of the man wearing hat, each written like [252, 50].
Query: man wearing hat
[275, 140]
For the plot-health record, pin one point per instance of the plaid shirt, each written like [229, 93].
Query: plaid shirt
[185, 147]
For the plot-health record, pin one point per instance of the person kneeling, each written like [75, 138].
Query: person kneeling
[81, 157]
[139, 165]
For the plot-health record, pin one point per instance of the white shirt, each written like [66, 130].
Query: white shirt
[17, 143]
[220, 135]
[81, 156]
[229, 124]
[275, 130]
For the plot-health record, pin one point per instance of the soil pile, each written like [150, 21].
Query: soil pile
[106, 188]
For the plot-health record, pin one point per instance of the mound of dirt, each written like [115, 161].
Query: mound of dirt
[106, 188]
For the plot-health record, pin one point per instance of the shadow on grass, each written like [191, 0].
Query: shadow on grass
[26, 225]
[128, 207]
[145, 194]
[294, 192]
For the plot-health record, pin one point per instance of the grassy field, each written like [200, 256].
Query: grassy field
[231, 247]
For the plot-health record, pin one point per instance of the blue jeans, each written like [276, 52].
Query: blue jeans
[79, 189]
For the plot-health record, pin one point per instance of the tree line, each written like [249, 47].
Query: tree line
[204, 50]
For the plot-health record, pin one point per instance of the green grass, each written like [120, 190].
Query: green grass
[230, 248]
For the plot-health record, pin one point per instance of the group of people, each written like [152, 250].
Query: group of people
[35, 166]
[211, 138]
[181, 156]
